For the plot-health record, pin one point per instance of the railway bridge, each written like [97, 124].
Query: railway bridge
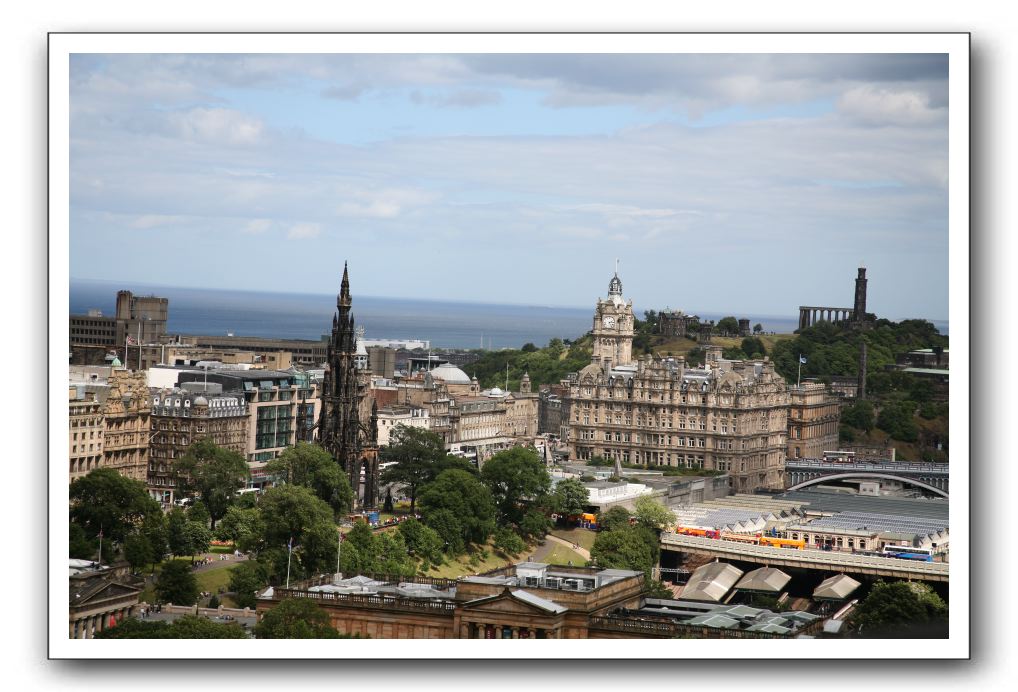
[802, 473]
[827, 560]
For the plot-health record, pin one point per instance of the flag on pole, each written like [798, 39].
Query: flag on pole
[802, 359]
[131, 341]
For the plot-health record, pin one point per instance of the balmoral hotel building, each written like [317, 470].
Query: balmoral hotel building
[729, 416]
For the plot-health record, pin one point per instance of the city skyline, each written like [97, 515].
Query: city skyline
[781, 172]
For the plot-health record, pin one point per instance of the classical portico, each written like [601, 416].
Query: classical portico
[99, 599]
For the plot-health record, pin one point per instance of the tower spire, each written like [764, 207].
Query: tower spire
[344, 288]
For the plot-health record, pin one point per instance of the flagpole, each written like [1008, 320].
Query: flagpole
[101, 541]
[799, 376]
[289, 554]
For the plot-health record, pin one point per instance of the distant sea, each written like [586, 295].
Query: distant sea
[309, 316]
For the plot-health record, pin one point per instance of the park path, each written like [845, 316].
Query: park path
[572, 546]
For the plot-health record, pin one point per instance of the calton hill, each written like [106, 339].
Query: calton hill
[901, 409]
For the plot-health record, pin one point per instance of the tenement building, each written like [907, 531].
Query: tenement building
[181, 418]
[727, 416]
[813, 419]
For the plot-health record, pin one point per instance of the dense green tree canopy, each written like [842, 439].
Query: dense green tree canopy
[296, 618]
[624, 548]
[901, 608]
[468, 501]
[422, 542]
[294, 512]
[186, 627]
[544, 365]
[517, 479]
[859, 415]
[419, 455]
[242, 526]
[570, 497]
[615, 518]
[246, 579]
[728, 325]
[176, 584]
[652, 514]
[105, 500]
[312, 467]
[216, 474]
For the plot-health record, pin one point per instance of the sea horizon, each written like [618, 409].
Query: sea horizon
[297, 315]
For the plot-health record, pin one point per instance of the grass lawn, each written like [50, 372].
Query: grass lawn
[581, 537]
[208, 580]
[561, 555]
[462, 566]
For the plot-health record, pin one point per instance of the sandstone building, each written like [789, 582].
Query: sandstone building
[813, 419]
[728, 416]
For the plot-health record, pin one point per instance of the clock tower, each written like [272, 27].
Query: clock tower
[613, 327]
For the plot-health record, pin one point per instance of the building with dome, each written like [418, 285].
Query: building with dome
[181, 417]
[728, 416]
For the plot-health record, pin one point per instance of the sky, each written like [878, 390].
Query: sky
[736, 184]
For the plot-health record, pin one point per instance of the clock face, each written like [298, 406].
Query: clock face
[608, 321]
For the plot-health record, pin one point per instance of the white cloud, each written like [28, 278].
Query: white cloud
[256, 226]
[303, 231]
[871, 105]
[219, 125]
[153, 220]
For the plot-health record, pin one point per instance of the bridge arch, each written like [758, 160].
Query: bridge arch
[869, 474]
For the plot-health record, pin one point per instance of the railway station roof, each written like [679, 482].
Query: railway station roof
[837, 588]
[711, 582]
[764, 580]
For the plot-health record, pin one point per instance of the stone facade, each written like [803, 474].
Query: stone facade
[99, 598]
[813, 419]
[729, 416]
[677, 323]
[343, 428]
[86, 426]
[553, 603]
[126, 414]
[180, 418]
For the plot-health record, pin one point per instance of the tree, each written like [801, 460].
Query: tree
[467, 499]
[615, 518]
[312, 467]
[422, 542]
[186, 537]
[216, 474]
[517, 478]
[186, 627]
[728, 325]
[105, 500]
[138, 551]
[629, 547]
[176, 584]
[198, 538]
[910, 609]
[154, 530]
[570, 497]
[897, 420]
[80, 546]
[245, 580]
[528, 348]
[858, 415]
[296, 618]
[624, 548]
[753, 347]
[242, 526]
[651, 514]
[507, 542]
[534, 524]
[449, 528]
[417, 453]
[294, 513]
[757, 328]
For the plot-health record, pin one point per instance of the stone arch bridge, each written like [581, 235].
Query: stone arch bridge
[802, 473]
